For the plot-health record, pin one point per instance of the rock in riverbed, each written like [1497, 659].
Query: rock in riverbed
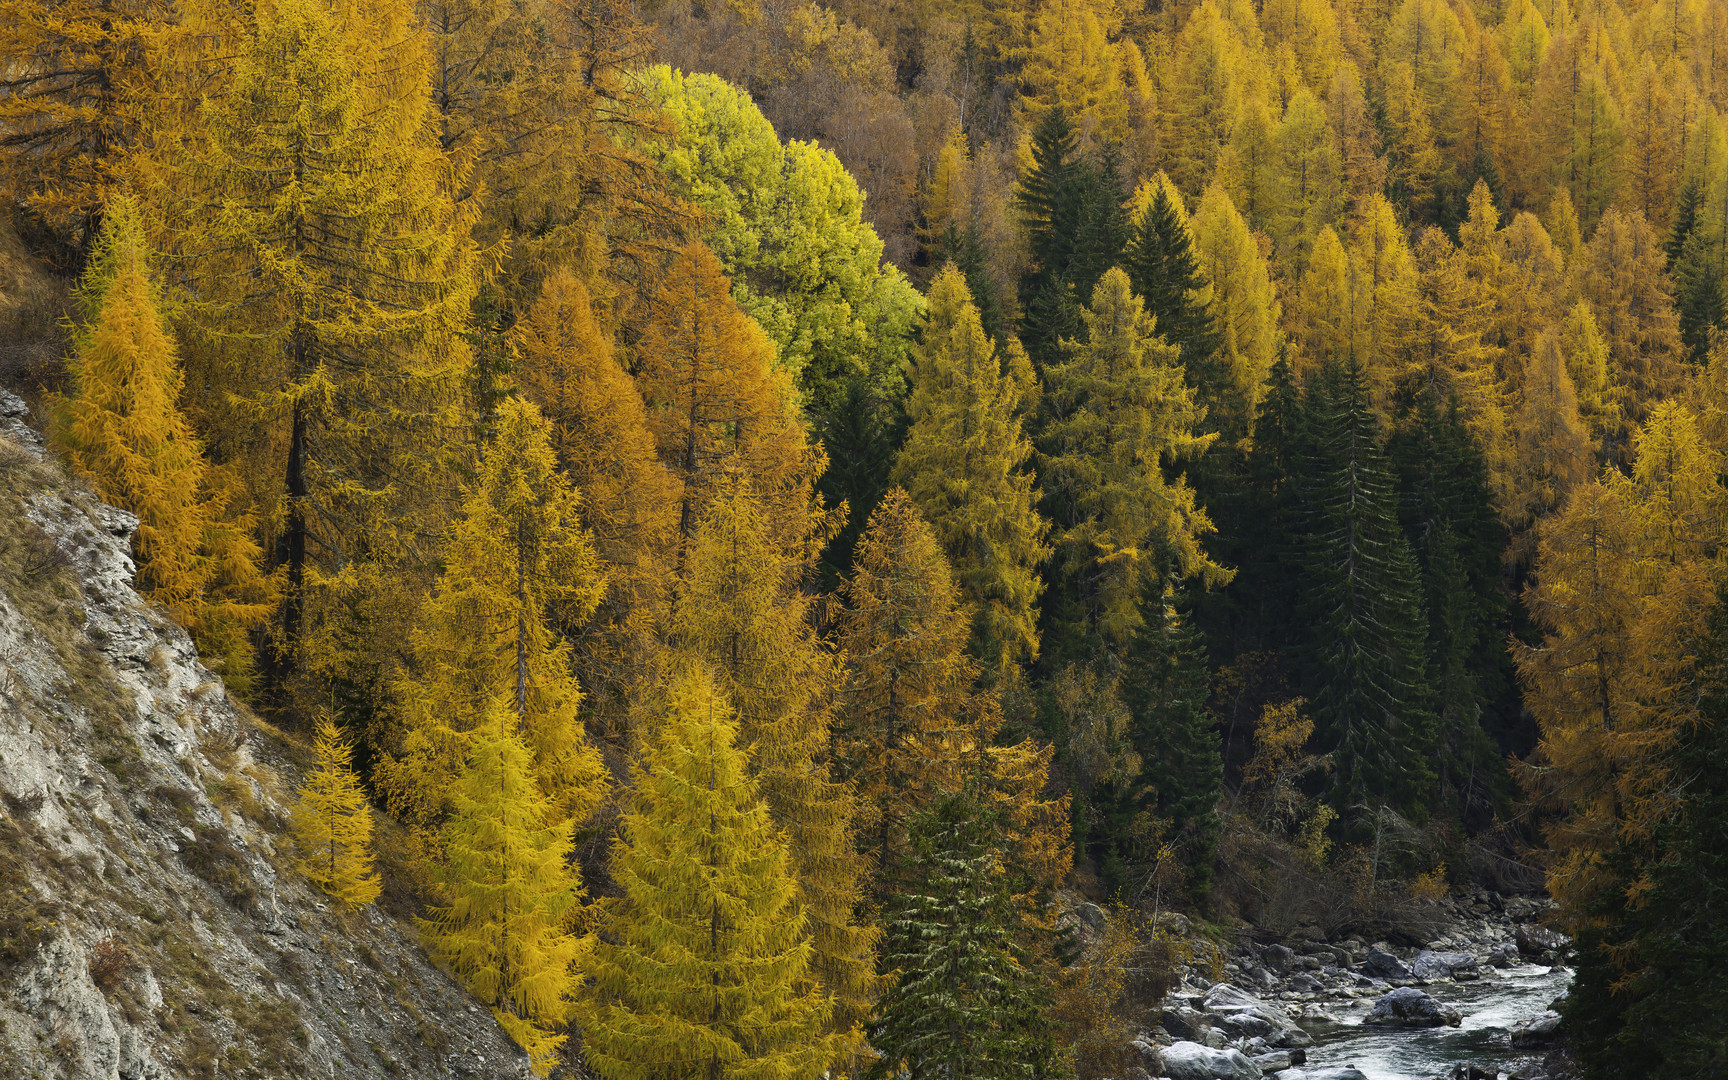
[1191, 1061]
[1410, 1007]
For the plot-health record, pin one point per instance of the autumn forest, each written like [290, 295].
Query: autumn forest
[756, 508]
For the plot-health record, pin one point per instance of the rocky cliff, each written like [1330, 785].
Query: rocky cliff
[151, 921]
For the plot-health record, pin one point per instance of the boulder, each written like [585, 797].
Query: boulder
[1277, 1061]
[1535, 940]
[1324, 1072]
[1226, 1001]
[1430, 965]
[1304, 983]
[1383, 965]
[1410, 1007]
[1541, 1028]
[1191, 1061]
[1279, 958]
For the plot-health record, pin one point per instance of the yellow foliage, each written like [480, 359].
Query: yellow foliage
[333, 824]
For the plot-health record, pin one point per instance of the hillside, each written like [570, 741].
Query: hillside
[151, 925]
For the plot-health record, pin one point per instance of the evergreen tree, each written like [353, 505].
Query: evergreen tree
[1117, 414]
[517, 564]
[505, 930]
[742, 615]
[1688, 209]
[333, 824]
[967, 1002]
[1166, 276]
[1447, 513]
[1702, 291]
[1165, 684]
[1078, 229]
[123, 429]
[701, 968]
[1365, 660]
[964, 465]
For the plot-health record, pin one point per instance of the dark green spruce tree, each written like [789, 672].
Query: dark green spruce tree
[1688, 205]
[1077, 227]
[968, 1003]
[1165, 684]
[1701, 285]
[1652, 979]
[1161, 265]
[1363, 656]
[1447, 513]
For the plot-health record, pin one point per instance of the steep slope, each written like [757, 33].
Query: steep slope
[151, 922]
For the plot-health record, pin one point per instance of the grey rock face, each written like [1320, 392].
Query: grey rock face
[1231, 1006]
[1541, 1028]
[1535, 940]
[143, 852]
[1381, 964]
[1430, 965]
[1330, 1072]
[1410, 1007]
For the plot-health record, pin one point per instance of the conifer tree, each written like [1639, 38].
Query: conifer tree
[701, 965]
[517, 564]
[1117, 415]
[911, 725]
[1307, 180]
[742, 615]
[329, 273]
[505, 929]
[1365, 662]
[716, 404]
[599, 430]
[1587, 361]
[1244, 307]
[967, 1001]
[77, 72]
[1621, 273]
[122, 427]
[1555, 450]
[1166, 276]
[333, 823]
[1165, 684]
[963, 463]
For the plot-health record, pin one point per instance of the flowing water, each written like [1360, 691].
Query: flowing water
[1491, 1006]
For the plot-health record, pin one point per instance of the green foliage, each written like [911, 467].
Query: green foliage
[968, 1000]
[1366, 658]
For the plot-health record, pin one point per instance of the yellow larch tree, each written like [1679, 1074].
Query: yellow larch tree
[1384, 297]
[1211, 76]
[333, 823]
[1352, 122]
[122, 428]
[1244, 306]
[1071, 62]
[1246, 162]
[1321, 316]
[76, 74]
[510, 894]
[964, 464]
[1586, 358]
[718, 406]
[328, 274]
[1532, 289]
[701, 967]
[517, 563]
[1307, 182]
[1622, 274]
[599, 430]
[1484, 109]
[1655, 128]
[912, 727]
[743, 616]
[1556, 453]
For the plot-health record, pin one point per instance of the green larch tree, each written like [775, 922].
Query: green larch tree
[964, 464]
[1117, 414]
[702, 964]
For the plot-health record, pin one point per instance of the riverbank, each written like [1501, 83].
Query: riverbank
[1477, 995]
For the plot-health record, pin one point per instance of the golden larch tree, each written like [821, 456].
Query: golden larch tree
[333, 823]
[505, 929]
[122, 428]
[744, 617]
[517, 564]
[701, 965]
